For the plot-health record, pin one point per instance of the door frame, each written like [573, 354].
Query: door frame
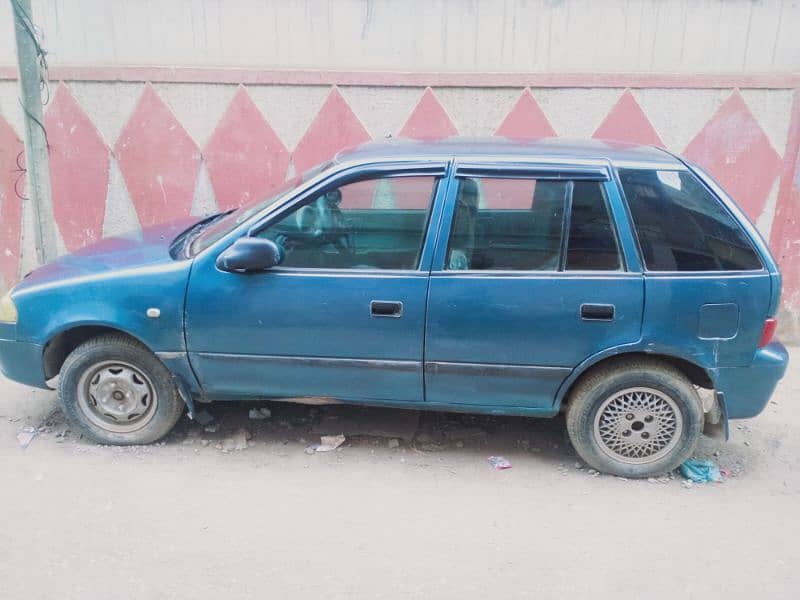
[340, 174]
[583, 170]
[205, 262]
[560, 170]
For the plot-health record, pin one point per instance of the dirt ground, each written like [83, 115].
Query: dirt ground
[194, 517]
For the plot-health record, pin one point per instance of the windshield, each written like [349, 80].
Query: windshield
[220, 228]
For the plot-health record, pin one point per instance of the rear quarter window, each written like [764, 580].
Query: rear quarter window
[682, 226]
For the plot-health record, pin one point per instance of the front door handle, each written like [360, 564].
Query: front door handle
[386, 308]
[597, 312]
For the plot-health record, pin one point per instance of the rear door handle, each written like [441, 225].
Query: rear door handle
[597, 312]
[386, 308]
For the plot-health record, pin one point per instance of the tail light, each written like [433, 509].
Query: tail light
[768, 332]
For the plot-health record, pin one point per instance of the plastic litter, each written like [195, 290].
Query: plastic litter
[500, 463]
[330, 442]
[25, 437]
[701, 471]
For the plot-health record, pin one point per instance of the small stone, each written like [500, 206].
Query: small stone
[393, 443]
[204, 443]
[258, 414]
[459, 444]
[424, 437]
[465, 433]
[593, 472]
[237, 441]
[203, 417]
[578, 465]
[432, 447]
[310, 449]
[212, 428]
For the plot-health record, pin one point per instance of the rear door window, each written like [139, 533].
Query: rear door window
[507, 225]
[682, 226]
[592, 245]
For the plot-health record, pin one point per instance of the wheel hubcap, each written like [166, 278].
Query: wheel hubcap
[638, 425]
[117, 397]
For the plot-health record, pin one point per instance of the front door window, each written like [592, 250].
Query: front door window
[369, 224]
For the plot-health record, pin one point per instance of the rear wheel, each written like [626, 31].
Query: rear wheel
[635, 419]
[117, 392]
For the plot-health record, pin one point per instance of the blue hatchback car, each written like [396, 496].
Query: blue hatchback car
[489, 276]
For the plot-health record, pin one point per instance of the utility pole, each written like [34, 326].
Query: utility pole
[36, 161]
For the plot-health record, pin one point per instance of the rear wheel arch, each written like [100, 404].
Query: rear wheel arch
[696, 374]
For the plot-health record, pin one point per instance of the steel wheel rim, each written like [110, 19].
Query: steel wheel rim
[117, 396]
[638, 425]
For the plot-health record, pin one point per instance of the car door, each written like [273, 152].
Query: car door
[343, 315]
[528, 281]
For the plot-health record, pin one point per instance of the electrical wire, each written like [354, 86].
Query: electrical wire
[35, 33]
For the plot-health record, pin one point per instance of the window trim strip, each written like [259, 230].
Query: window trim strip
[532, 171]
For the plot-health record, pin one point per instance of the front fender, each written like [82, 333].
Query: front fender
[118, 300]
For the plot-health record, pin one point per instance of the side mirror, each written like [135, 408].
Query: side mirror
[249, 254]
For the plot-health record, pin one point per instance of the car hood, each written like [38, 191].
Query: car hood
[144, 248]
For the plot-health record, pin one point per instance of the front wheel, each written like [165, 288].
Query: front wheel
[117, 392]
[639, 418]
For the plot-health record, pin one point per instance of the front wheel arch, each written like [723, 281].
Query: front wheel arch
[61, 345]
[109, 415]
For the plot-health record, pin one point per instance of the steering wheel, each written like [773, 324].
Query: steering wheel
[323, 221]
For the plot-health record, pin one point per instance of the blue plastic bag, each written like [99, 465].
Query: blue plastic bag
[700, 471]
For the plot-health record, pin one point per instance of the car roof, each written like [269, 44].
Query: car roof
[488, 148]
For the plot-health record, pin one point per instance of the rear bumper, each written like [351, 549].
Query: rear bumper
[746, 390]
[22, 362]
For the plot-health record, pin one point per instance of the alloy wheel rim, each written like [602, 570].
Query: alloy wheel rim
[117, 396]
[638, 425]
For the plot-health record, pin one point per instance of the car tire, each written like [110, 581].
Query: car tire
[116, 391]
[637, 418]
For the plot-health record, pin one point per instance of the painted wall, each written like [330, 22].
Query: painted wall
[212, 104]
[683, 36]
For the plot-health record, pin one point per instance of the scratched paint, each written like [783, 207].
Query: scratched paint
[245, 158]
[158, 160]
[335, 128]
[79, 161]
[737, 152]
[428, 120]
[626, 122]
